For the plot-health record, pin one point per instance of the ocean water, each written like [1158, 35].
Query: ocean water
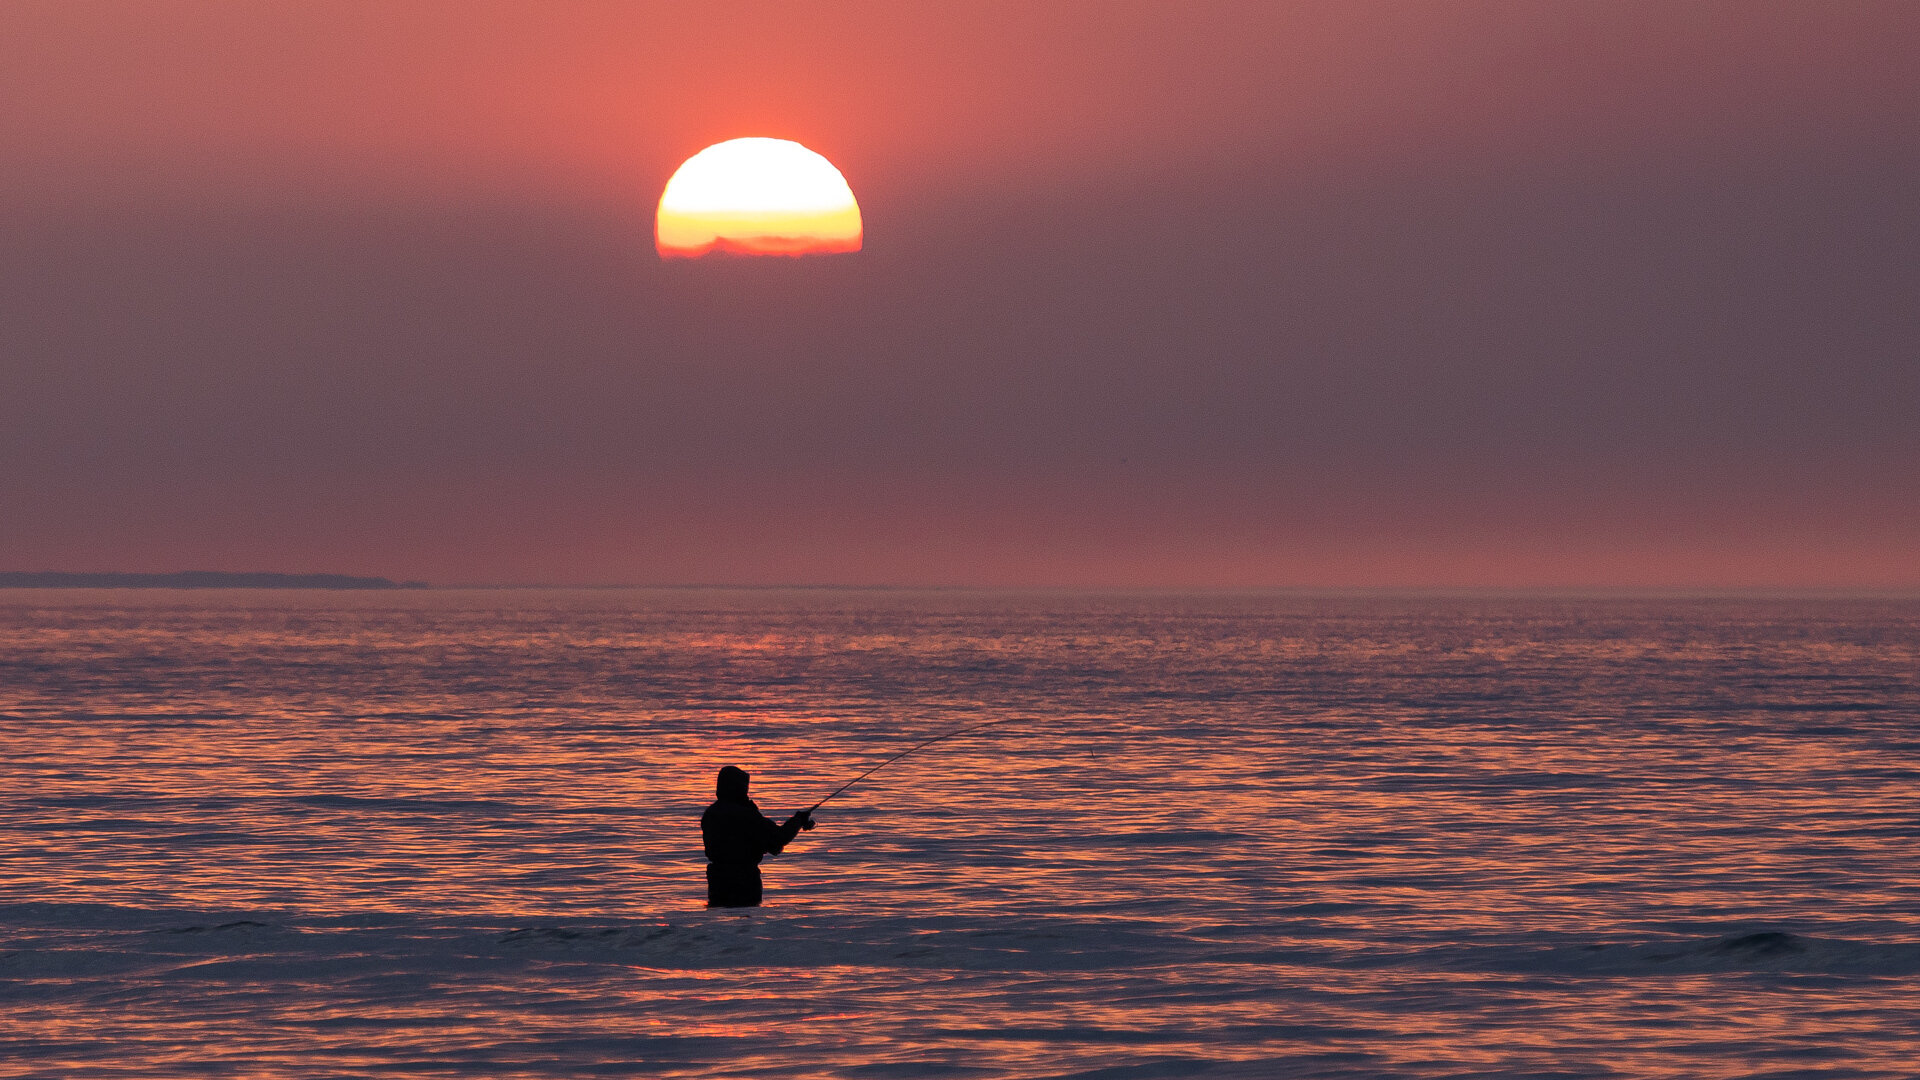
[454, 834]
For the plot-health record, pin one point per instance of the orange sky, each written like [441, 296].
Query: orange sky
[357, 98]
[1209, 293]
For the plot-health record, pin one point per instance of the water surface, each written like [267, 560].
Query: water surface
[454, 833]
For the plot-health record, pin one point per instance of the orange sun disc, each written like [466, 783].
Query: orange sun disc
[756, 197]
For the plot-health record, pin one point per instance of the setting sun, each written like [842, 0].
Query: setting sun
[757, 197]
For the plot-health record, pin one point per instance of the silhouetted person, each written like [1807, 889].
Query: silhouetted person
[736, 835]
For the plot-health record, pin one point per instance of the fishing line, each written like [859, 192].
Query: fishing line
[904, 753]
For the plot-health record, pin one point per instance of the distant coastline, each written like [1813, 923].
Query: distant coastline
[196, 579]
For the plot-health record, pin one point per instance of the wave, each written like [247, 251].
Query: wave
[324, 801]
[1758, 951]
[53, 939]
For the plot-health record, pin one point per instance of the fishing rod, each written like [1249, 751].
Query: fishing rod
[904, 753]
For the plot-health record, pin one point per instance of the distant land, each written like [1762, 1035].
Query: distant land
[197, 579]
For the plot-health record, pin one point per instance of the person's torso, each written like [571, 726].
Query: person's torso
[734, 832]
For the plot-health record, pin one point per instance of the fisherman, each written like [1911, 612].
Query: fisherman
[736, 835]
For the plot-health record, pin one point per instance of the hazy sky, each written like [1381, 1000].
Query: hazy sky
[1175, 293]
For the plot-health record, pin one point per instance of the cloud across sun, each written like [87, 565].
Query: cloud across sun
[757, 196]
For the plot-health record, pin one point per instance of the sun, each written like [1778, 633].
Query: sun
[756, 197]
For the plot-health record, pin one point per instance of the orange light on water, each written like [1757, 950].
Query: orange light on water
[757, 197]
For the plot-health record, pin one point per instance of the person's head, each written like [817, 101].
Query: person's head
[732, 783]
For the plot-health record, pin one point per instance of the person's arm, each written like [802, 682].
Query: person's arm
[779, 836]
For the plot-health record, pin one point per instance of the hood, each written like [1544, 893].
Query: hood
[732, 785]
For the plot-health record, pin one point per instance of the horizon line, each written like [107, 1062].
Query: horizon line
[329, 581]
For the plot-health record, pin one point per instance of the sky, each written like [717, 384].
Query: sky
[1327, 295]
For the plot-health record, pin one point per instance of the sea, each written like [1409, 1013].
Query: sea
[454, 833]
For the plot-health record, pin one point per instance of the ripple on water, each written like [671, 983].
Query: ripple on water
[275, 834]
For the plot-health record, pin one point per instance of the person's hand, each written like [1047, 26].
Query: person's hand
[806, 820]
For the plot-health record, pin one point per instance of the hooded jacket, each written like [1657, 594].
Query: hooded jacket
[734, 831]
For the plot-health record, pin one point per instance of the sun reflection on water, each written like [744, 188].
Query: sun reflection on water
[255, 832]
